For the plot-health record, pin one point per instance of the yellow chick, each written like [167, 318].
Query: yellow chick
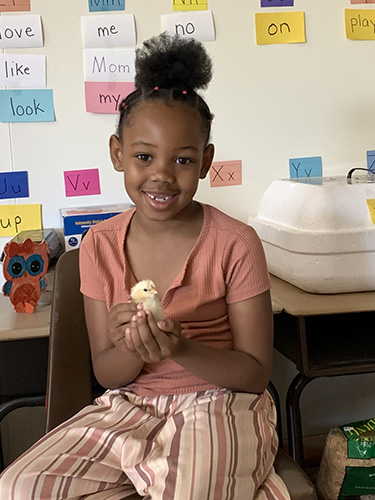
[144, 292]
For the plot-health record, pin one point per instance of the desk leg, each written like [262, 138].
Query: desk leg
[293, 414]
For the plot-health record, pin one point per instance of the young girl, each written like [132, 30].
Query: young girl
[186, 416]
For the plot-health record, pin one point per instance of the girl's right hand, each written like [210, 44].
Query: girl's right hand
[118, 319]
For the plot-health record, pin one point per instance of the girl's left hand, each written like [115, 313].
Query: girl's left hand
[150, 341]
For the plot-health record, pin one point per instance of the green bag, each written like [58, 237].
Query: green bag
[347, 469]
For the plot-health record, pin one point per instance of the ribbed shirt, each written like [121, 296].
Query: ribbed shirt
[226, 265]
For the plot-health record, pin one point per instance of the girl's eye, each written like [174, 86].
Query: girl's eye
[183, 161]
[144, 157]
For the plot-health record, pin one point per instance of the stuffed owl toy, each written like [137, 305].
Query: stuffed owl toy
[25, 265]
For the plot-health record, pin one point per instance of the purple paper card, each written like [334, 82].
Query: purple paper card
[276, 3]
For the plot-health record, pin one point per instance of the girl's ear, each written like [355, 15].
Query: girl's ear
[115, 151]
[208, 156]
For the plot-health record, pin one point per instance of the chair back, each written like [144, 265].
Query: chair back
[69, 380]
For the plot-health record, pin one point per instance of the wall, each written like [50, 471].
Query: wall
[271, 103]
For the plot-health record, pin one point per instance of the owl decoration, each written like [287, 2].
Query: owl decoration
[25, 265]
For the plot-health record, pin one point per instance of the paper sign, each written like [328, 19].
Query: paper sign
[305, 167]
[26, 105]
[226, 173]
[199, 25]
[20, 31]
[14, 5]
[13, 185]
[360, 24]
[106, 5]
[277, 3]
[106, 97]
[116, 30]
[280, 27]
[362, 1]
[189, 5]
[17, 218]
[20, 70]
[82, 182]
[371, 207]
[109, 65]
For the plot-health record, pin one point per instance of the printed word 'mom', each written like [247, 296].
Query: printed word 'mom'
[101, 66]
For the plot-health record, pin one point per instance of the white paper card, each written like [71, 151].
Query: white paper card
[116, 30]
[21, 31]
[196, 24]
[109, 65]
[22, 71]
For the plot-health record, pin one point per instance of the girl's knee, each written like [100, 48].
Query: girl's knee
[10, 485]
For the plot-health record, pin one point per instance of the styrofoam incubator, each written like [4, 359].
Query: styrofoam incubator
[318, 232]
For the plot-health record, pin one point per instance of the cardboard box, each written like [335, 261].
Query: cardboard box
[76, 221]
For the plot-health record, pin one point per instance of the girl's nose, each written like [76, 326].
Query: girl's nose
[163, 172]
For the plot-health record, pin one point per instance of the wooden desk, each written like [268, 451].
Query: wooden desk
[23, 357]
[324, 335]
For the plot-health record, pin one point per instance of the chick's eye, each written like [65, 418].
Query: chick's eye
[145, 290]
[183, 161]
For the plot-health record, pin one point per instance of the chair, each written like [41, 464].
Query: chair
[71, 384]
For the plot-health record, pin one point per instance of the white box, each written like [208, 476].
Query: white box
[77, 221]
[318, 233]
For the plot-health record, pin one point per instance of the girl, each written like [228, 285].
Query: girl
[186, 416]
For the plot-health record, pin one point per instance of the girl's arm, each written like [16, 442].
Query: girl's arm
[246, 368]
[114, 365]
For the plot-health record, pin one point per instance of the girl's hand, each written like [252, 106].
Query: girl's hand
[150, 341]
[119, 318]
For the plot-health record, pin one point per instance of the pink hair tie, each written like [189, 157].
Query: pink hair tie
[184, 92]
[156, 88]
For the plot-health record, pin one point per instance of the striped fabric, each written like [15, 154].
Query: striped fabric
[213, 445]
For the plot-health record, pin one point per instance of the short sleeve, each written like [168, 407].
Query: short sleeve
[89, 269]
[245, 266]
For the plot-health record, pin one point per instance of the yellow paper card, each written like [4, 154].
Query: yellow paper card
[371, 207]
[17, 218]
[189, 5]
[280, 27]
[360, 24]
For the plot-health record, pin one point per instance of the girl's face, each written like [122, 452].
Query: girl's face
[163, 154]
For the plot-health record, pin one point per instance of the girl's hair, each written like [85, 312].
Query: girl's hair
[170, 68]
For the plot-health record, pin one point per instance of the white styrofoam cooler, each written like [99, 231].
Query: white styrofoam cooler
[318, 233]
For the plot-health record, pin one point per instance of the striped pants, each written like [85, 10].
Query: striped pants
[213, 445]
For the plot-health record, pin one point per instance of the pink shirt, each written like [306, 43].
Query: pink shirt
[226, 265]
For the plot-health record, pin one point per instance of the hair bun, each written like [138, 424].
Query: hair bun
[168, 61]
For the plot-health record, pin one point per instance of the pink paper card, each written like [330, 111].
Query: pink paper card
[226, 173]
[82, 182]
[362, 1]
[106, 97]
[14, 5]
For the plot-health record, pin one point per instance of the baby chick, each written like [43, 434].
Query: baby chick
[144, 292]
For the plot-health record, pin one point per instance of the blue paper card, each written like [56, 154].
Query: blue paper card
[276, 3]
[305, 167]
[106, 5]
[13, 185]
[26, 105]
[370, 155]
